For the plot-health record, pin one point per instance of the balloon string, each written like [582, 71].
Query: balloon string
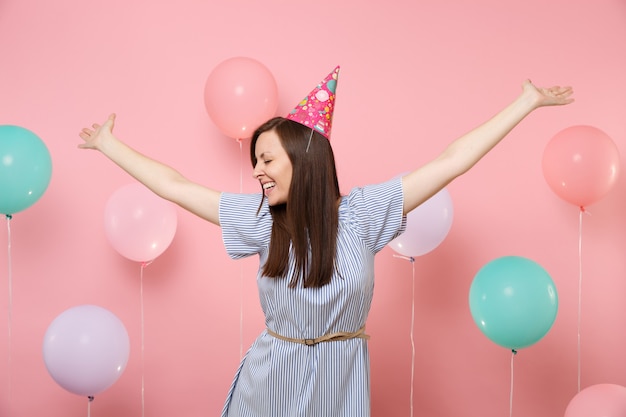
[240, 141]
[240, 311]
[411, 333]
[89, 401]
[513, 353]
[240, 265]
[9, 309]
[143, 402]
[580, 284]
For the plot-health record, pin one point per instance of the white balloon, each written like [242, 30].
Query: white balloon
[426, 226]
[86, 349]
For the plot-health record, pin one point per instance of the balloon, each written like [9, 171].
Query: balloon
[602, 400]
[239, 95]
[86, 349]
[426, 226]
[581, 164]
[25, 168]
[513, 301]
[139, 224]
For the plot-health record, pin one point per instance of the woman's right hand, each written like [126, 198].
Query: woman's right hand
[162, 179]
[95, 135]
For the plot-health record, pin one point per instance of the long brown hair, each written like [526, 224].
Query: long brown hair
[309, 220]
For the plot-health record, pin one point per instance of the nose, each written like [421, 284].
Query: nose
[256, 173]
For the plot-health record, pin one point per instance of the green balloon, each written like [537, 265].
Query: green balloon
[25, 168]
[513, 301]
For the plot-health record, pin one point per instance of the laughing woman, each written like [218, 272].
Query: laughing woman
[316, 247]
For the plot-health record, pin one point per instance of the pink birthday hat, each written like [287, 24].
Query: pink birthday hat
[316, 109]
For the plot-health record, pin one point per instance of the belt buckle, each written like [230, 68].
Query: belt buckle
[309, 342]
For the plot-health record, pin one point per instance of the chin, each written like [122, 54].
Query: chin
[272, 202]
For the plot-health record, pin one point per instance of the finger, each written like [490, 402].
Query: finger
[564, 89]
[96, 126]
[564, 93]
[110, 121]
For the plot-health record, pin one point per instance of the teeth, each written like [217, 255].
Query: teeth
[268, 185]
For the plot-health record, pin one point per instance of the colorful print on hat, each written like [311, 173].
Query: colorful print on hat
[316, 109]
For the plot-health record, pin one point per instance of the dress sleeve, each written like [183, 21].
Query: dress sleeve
[376, 213]
[244, 231]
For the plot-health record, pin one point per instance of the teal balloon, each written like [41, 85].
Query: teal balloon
[513, 301]
[25, 168]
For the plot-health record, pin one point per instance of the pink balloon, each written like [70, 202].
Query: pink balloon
[240, 94]
[86, 349]
[139, 224]
[581, 164]
[426, 226]
[602, 400]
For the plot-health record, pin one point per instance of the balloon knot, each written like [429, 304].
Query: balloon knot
[9, 217]
[90, 398]
[514, 351]
[582, 209]
[408, 258]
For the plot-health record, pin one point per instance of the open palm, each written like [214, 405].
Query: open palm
[94, 136]
[552, 96]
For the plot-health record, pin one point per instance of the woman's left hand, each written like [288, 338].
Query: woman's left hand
[553, 96]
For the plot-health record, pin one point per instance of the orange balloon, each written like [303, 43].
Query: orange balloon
[581, 164]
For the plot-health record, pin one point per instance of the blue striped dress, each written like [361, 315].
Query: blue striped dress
[278, 378]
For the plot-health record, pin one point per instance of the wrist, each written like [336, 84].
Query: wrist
[528, 101]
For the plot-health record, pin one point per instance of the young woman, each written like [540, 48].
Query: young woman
[316, 247]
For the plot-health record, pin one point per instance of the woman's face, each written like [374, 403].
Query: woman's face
[273, 168]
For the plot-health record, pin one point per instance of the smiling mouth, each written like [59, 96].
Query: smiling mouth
[269, 185]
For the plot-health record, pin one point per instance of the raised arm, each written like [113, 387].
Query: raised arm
[419, 185]
[160, 178]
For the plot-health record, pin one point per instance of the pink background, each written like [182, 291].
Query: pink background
[415, 75]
